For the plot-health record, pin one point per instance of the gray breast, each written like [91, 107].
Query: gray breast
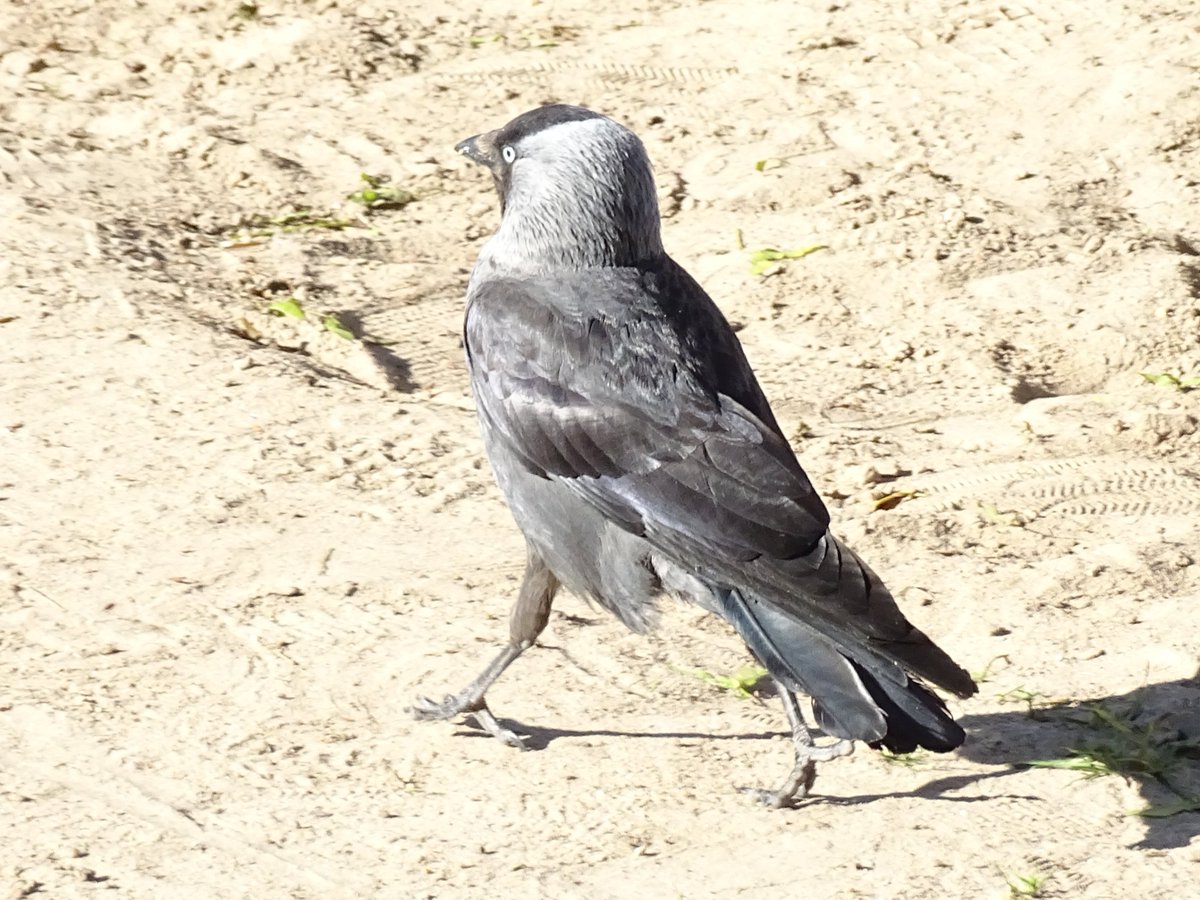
[591, 556]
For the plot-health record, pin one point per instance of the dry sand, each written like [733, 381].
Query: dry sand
[234, 546]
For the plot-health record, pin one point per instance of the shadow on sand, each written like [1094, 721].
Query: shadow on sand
[1150, 737]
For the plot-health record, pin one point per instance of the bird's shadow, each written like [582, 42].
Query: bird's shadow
[539, 738]
[1150, 737]
[394, 368]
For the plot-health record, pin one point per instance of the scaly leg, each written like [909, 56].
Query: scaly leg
[529, 616]
[804, 772]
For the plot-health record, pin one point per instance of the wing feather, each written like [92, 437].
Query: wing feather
[655, 418]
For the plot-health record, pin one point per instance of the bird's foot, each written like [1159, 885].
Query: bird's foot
[804, 773]
[427, 710]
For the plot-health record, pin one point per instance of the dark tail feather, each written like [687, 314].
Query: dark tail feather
[915, 651]
[916, 716]
[850, 699]
[804, 661]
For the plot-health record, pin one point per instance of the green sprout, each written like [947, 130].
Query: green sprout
[261, 226]
[985, 674]
[1121, 745]
[290, 307]
[379, 194]
[1176, 382]
[908, 760]
[892, 499]
[761, 260]
[1035, 701]
[334, 326]
[741, 683]
[1026, 885]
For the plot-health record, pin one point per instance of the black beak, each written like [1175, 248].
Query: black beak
[476, 150]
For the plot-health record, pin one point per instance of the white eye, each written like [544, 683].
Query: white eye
[508, 154]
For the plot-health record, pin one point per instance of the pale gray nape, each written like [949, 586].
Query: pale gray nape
[563, 210]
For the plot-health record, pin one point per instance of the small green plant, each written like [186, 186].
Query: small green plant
[741, 683]
[334, 326]
[1036, 703]
[1176, 382]
[892, 499]
[993, 515]
[1122, 745]
[908, 760]
[761, 260]
[291, 308]
[1026, 885]
[379, 193]
[1119, 740]
[261, 226]
[1076, 760]
[985, 674]
[544, 39]
[1166, 810]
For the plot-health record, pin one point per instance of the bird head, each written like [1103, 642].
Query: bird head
[576, 191]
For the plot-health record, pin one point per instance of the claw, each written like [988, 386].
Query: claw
[426, 710]
[800, 780]
[780, 799]
[504, 735]
[529, 617]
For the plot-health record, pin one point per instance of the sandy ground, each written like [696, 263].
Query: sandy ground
[233, 546]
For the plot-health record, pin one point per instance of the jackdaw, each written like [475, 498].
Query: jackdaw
[639, 456]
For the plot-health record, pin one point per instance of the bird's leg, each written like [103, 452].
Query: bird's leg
[529, 616]
[804, 772]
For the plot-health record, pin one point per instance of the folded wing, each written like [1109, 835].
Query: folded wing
[652, 415]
